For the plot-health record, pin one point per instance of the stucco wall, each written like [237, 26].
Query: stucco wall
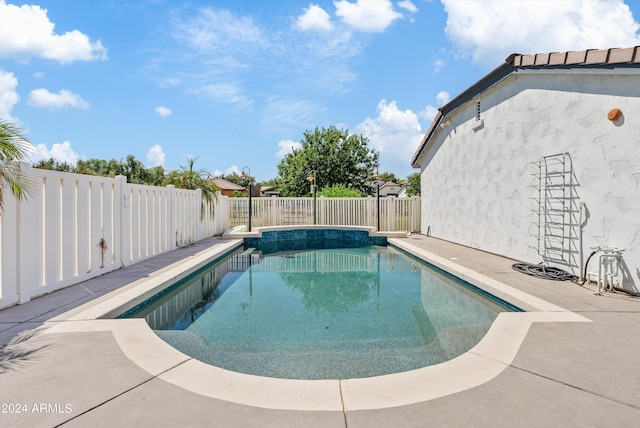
[479, 187]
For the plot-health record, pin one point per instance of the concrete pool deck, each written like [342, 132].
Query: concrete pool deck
[579, 373]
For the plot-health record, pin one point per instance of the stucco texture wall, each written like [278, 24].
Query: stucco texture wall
[480, 187]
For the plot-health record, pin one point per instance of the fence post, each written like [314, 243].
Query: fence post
[173, 226]
[10, 249]
[124, 221]
[30, 231]
[198, 232]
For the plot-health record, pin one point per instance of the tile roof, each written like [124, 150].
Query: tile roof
[223, 184]
[587, 57]
[590, 58]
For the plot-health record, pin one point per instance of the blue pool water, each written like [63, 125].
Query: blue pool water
[321, 314]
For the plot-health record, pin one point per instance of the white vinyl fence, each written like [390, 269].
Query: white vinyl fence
[396, 214]
[77, 227]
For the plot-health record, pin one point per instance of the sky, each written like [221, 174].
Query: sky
[236, 83]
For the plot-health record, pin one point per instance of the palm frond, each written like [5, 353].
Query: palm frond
[14, 147]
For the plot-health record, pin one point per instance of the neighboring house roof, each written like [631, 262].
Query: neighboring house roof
[223, 184]
[593, 58]
[270, 190]
[390, 188]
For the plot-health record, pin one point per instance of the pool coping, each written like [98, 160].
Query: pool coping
[490, 357]
[257, 232]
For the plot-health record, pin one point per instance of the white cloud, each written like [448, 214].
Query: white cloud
[285, 147]
[314, 19]
[8, 96]
[64, 99]
[443, 97]
[429, 113]
[395, 134]
[26, 31]
[233, 169]
[220, 55]
[408, 5]
[491, 30]
[209, 54]
[289, 114]
[163, 111]
[60, 152]
[438, 63]
[227, 92]
[155, 156]
[367, 16]
[214, 30]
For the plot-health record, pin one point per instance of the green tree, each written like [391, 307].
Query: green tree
[14, 148]
[334, 157]
[388, 176]
[155, 176]
[100, 167]
[190, 178]
[270, 182]
[52, 164]
[135, 171]
[340, 191]
[413, 186]
[131, 168]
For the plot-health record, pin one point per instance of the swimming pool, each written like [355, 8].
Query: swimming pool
[485, 361]
[331, 313]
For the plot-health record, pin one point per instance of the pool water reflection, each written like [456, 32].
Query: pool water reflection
[321, 314]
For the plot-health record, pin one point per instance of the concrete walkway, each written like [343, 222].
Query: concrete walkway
[575, 374]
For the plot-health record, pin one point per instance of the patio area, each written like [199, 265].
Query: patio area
[564, 373]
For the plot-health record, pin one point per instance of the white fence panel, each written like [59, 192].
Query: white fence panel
[147, 222]
[9, 251]
[396, 214]
[76, 227]
[188, 206]
[50, 242]
[217, 222]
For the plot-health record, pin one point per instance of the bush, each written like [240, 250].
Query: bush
[340, 191]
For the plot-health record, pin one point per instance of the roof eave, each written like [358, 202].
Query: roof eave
[495, 76]
[593, 58]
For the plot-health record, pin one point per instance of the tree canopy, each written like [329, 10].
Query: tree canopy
[240, 180]
[334, 157]
[413, 186]
[340, 191]
[185, 178]
[132, 168]
[189, 178]
[389, 176]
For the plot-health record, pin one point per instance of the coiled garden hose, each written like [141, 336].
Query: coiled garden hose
[547, 272]
[543, 272]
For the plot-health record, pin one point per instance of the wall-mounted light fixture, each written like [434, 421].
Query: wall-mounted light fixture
[614, 114]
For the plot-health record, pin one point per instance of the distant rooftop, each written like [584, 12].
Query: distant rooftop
[223, 184]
